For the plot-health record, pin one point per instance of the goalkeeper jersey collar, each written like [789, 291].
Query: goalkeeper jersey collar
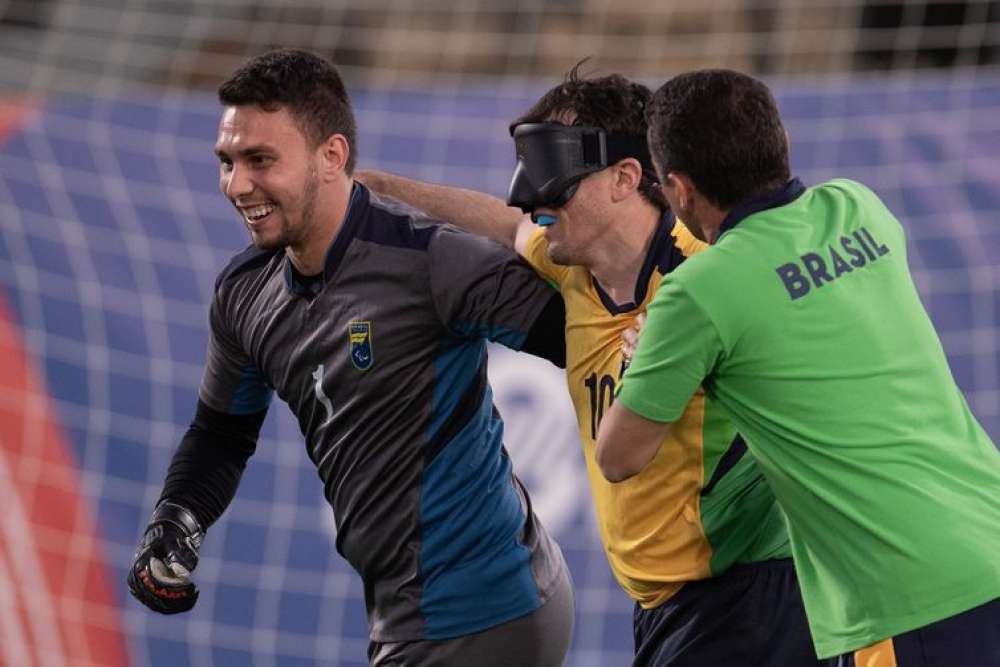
[309, 286]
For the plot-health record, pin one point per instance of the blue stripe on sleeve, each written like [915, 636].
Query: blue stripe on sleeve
[252, 394]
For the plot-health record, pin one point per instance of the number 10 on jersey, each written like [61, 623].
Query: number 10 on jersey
[602, 395]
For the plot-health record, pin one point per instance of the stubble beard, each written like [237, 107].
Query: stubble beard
[309, 192]
[556, 251]
[564, 252]
[288, 236]
[560, 258]
[261, 243]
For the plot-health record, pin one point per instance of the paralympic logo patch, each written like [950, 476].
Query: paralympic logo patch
[360, 336]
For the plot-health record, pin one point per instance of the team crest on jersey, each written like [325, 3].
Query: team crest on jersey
[360, 336]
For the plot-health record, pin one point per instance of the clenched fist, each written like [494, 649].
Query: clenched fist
[160, 576]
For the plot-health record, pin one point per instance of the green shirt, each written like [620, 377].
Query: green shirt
[804, 324]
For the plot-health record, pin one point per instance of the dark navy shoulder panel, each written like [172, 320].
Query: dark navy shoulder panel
[668, 254]
[371, 218]
[251, 258]
[392, 223]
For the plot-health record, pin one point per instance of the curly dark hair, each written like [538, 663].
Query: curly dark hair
[307, 84]
[722, 128]
[612, 103]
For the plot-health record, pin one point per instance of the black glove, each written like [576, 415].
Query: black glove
[160, 576]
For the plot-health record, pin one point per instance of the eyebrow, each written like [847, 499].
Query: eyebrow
[249, 151]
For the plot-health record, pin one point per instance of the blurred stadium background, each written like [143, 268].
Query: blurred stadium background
[111, 232]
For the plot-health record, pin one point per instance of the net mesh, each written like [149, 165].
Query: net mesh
[103, 45]
[112, 232]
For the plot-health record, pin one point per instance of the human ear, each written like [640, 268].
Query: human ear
[334, 153]
[627, 176]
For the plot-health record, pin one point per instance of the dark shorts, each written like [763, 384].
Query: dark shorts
[540, 639]
[969, 639]
[750, 615]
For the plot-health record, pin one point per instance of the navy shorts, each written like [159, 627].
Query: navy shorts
[750, 615]
[969, 639]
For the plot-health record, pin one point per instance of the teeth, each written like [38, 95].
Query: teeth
[254, 213]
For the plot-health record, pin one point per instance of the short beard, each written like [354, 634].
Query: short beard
[309, 193]
[288, 237]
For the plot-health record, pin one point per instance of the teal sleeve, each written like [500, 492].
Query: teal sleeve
[678, 347]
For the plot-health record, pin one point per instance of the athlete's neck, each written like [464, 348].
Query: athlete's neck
[703, 218]
[618, 256]
[710, 224]
[308, 256]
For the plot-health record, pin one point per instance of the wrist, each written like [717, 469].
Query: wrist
[178, 515]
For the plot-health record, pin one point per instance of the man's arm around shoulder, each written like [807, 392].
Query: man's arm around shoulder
[475, 212]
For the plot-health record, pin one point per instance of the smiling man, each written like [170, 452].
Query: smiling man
[372, 325]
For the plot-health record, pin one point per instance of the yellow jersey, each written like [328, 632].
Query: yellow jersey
[701, 505]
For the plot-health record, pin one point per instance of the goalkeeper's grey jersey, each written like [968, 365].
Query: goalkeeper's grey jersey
[383, 361]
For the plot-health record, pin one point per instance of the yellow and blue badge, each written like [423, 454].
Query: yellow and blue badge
[360, 336]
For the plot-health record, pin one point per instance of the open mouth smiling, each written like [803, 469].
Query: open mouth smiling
[256, 213]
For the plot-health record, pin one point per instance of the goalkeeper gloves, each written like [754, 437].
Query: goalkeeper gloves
[160, 576]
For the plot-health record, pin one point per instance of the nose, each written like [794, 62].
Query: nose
[235, 182]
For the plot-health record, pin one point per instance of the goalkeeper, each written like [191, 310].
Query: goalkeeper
[803, 323]
[371, 324]
[696, 539]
